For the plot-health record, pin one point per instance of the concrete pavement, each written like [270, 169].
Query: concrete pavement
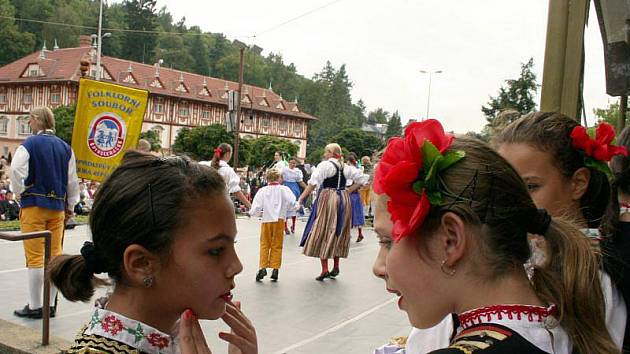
[352, 314]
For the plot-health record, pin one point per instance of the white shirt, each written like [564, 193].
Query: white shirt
[19, 172]
[326, 169]
[292, 175]
[363, 180]
[273, 202]
[280, 165]
[231, 179]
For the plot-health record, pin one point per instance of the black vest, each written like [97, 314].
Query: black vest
[337, 181]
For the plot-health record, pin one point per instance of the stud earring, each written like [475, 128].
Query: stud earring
[450, 273]
[147, 281]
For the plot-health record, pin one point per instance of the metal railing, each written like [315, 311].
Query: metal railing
[17, 236]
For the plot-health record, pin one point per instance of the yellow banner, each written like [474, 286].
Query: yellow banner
[107, 122]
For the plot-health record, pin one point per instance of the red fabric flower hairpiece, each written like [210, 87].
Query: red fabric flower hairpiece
[217, 152]
[408, 173]
[600, 150]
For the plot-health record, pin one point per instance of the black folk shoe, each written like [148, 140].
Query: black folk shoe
[261, 274]
[26, 312]
[274, 275]
[334, 272]
[323, 276]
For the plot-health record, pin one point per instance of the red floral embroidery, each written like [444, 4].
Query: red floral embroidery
[599, 148]
[519, 312]
[157, 340]
[400, 168]
[112, 325]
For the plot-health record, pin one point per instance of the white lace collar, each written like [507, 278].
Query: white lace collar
[536, 324]
[136, 334]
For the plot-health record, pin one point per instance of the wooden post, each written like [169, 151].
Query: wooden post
[564, 57]
[237, 124]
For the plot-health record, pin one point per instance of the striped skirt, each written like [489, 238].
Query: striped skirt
[327, 232]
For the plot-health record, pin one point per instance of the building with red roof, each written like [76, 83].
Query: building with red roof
[176, 99]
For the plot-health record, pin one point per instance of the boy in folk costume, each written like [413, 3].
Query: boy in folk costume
[272, 202]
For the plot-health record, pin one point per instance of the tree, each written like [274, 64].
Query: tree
[378, 116]
[13, 43]
[152, 137]
[65, 36]
[140, 15]
[358, 141]
[64, 122]
[394, 126]
[610, 114]
[171, 48]
[199, 142]
[517, 95]
[261, 150]
[198, 47]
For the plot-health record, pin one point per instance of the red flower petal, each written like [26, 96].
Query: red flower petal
[617, 150]
[600, 153]
[394, 153]
[581, 140]
[605, 133]
[417, 132]
[420, 213]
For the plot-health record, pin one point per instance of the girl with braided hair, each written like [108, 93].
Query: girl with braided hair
[220, 159]
[453, 223]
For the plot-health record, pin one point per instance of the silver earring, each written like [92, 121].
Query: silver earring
[147, 281]
[450, 273]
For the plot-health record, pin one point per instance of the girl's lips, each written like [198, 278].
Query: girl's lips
[227, 296]
[393, 291]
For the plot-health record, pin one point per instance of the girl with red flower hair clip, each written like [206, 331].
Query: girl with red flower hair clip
[453, 225]
[566, 172]
[220, 159]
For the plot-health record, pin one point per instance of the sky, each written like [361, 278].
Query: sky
[477, 44]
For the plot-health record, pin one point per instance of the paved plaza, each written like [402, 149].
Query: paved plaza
[352, 314]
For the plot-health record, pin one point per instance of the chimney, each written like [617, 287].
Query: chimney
[85, 41]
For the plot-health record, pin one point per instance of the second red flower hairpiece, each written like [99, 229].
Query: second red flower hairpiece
[598, 151]
[408, 174]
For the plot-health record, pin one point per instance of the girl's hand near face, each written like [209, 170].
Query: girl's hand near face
[190, 335]
[242, 337]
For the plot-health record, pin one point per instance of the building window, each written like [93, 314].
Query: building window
[205, 114]
[266, 122]
[184, 111]
[28, 97]
[4, 125]
[297, 128]
[55, 98]
[3, 98]
[282, 125]
[158, 107]
[32, 71]
[158, 129]
[23, 127]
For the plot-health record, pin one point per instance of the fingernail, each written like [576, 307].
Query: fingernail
[188, 314]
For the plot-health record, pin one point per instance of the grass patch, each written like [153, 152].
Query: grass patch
[14, 225]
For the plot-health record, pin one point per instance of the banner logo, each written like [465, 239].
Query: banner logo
[107, 135]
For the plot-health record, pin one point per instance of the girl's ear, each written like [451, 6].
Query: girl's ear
[579, 182]
[139, 263]
[453, 238]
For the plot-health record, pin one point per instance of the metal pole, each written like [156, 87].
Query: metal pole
[238, 111]
[429, 96]
[99, 42]
[623, 108]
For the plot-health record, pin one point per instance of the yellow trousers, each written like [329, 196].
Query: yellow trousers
[40, 219]
[271, 236]
[364, 193]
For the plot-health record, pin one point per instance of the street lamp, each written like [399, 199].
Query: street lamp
[429, 95]
[99, 43]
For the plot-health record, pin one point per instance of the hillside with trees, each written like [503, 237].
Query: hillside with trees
[142, 32]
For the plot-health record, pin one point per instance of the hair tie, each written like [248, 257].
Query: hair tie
[540, 224]
[337, 156]
[218, 152]
[92, 261]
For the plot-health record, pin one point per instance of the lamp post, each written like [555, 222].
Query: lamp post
[429, 94]
[99, 42]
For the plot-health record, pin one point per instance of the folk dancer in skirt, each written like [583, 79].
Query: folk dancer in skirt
[293, 178]
[327, 232]
[358, 217]
[272, 202]
[278, 161]
[366, 190]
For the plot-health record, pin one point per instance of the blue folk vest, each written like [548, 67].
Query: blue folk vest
[47, 181]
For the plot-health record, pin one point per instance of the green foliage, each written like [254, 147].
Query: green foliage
[199, 142]
[140, 15]
[394, 126]
[379, 116]
[261, 150]
[64, 122]
[315, 156]
[610, 114]
[357, 141]
[152, 137]
[517, 95]
[13, 43]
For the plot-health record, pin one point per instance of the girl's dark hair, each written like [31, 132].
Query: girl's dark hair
[550, 132]
[142, 202]
[485, 191]
[225, 149]
[352, 158]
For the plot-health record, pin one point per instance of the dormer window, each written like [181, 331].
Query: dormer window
[33, 70]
